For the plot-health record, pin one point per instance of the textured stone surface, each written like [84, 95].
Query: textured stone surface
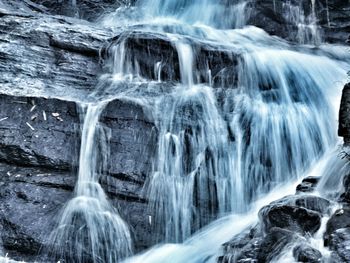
[306, 253]
[148, 49]
[44, 55]
[289, 217]
[344, 114]
[332, 18]
[38, 168]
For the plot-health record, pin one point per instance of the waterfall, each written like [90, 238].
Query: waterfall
[90, 228]
[222, 14]
[221, 148]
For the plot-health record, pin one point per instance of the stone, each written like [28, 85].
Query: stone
[339, 242]
[306, 253]
[150, 49]
[49, 56]
[340, 219]
[308, 184]
[290, 217]
[274, 242]
[344, 114]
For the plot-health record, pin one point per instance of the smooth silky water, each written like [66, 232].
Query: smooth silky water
[90, 228]
[222, 152]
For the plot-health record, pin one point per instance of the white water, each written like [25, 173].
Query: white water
[90, 228]
[221, 150]
[205, 245]
[217, 156]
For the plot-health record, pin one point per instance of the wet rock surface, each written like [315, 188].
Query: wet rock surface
[308, 184]
[150, 49]
[48, 55]
[284, 224]
[280, 18]
[289, 217]
[306, 253]
[58, 56]
[37, 180]
[344, 115]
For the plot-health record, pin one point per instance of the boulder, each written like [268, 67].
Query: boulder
[274, 242]
[340, 219]
[339, 242]
[308, 184]
[306, 253]
[290, 217]
[243, 247]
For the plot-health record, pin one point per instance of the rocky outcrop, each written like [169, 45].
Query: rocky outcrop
[282, 224]
[48, 56]
[83, 9]
[145, 50]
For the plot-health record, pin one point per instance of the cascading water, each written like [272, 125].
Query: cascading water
[220, 148]
[308, 31]
[90, 229]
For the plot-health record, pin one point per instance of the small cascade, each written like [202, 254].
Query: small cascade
[308, 31]
[90, 228]
[220, 14]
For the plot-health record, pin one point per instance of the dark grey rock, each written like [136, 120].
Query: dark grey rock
[290, 217]
[308, 184]
[306, 253]
[48, 56]
[339, 242]
[340, 219]
[332, 18]
[150, 48]
[345, 196]
[38, 173]
[274, 242]
[83, 9]
[243, 247]
[34, 137]
[344, 114]
[30, 200]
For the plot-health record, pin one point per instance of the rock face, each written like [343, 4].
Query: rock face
[291, 19]
[148, 49]
[38, 177]
[43, 55]
[48, 55]
[83, 9]
[344, 115]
